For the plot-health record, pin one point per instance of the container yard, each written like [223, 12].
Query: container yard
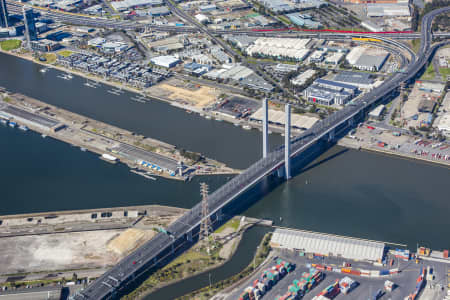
[398, 274]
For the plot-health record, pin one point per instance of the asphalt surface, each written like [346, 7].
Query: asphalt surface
[108, 284]
[405, 281]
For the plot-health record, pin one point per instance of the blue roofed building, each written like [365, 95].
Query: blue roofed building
[303, 20]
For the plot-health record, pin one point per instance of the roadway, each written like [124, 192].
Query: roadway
[133, 265]
[93, 21]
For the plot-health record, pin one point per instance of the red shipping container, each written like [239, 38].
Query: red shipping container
[445, 253]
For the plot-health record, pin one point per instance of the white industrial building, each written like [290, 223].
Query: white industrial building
[355, 54]
[334, 58]
[371, 26]
[443, 119]
[202, 18]
[388, 9]
[165, 61]
[278, 117]
[280, 48]
[326, 244]
[127, 4]
[303, 77]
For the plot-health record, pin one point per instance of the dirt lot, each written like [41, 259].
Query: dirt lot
[56, 252]
[177, 90]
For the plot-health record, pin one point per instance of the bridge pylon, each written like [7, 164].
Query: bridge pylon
[287, 142]
[265, 129]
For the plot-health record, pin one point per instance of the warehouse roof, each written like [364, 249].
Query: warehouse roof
[354, 77]
[326, 244]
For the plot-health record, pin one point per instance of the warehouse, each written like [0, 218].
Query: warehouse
[361, 80]
[280, 48]
[388, 9]
[159, 11]
[303, 20]
[325, 244]
[302, 78]
[371, 63]
[165, 61]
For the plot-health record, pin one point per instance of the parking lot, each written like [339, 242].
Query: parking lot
[383, 139]
[405, 281]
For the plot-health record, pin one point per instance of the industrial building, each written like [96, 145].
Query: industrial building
[334, 58]
[159, 11]
[443, 120]
[327, 92]
[127, 4]
[361, 80]
[302, 78]
[371, 63]
[388, 10]
[281, 48]
[377, 113]
[148, 159]
[303, 20]
[328, 245]
[278, 6]
[30, 119]
[371, 26]
[367, 59]
[165, 61]
[4, 17]
[277, 117]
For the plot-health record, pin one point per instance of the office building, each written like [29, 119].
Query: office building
[3, 14]
[30, 25]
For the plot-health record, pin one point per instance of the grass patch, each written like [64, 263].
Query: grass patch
[429, 73]
[233, 223]
[415, 45]
[65, 53]
[9, 45]
[191, 262]
[284, 20]
[445, 72]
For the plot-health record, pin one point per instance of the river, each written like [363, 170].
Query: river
[346, 192]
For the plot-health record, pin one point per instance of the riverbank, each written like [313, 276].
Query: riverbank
[198, 260]
[150, 156]
[393, 143]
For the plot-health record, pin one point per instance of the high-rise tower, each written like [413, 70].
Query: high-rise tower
[3, 14]
[30, 25]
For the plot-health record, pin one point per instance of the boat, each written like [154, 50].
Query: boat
[44, 70]
[208, 117]
[23, 127]
[83, 149]
[12, 124]
[236, 124]
[4, 122]
[247, 127]
[44, 135]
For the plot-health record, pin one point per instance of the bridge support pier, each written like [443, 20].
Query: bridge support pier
[287, 142]
[265, 128]
[219, 215]
[331, 135]
[280, 172]
[351, 122]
